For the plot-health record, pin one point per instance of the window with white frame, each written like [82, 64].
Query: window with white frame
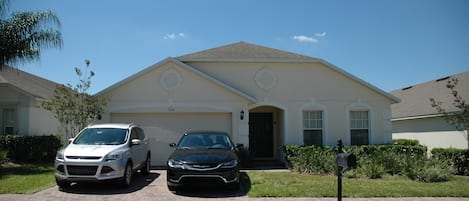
[312, 127]
[359, 127]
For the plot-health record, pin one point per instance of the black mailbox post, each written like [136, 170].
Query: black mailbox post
[344, 160]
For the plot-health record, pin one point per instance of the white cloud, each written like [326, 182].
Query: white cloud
[323, 34]
[303, 38]
[174, 36]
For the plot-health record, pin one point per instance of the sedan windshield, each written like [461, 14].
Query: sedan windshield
[102, 136]
[205, 141]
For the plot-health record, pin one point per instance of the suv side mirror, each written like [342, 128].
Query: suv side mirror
[136, 142]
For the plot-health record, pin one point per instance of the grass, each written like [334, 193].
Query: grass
[26, 179]
[287, 184]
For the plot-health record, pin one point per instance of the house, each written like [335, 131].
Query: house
[263, 98]
[20, 97]
[415, 118]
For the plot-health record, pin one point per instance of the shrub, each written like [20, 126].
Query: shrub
[407, 142]
[3, 156]
[458, 159]
[372, 170]
[374, 161]
[311, 159]
[434, 171]
[30, 148]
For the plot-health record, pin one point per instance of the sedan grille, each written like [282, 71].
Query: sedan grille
[82, 170]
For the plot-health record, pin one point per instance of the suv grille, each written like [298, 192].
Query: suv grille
[84, 157]
[81, 170]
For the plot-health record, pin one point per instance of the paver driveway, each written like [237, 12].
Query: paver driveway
[153, 187]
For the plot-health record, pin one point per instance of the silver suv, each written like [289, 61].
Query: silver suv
[104, 152]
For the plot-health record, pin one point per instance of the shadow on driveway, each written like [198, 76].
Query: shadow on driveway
[138, 182]
[217, 191]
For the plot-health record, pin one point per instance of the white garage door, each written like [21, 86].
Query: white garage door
[165, 128]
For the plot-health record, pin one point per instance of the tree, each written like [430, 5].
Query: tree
[73, 106]
[459, 118]
[25, 34]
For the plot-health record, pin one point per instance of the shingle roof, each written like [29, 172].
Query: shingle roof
[242, 51]
[415, 100]
[26, 83]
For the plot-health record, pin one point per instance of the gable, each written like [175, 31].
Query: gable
[169, 81]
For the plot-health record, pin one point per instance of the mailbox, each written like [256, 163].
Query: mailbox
[346, 160]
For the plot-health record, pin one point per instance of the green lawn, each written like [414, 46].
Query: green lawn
[33, 178]
[286, 184]
[26, 179]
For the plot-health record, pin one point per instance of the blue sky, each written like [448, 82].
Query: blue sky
[389, 43]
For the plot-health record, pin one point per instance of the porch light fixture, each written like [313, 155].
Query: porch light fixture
[241, 116]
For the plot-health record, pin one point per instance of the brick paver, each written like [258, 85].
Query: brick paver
[153, 187]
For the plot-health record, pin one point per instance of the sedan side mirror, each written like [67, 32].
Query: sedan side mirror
[70, 140]
[172, 145]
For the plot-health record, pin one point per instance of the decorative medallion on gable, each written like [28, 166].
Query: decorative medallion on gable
[265, 79]
[171, 79]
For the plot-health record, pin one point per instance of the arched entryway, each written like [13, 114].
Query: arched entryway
[266, 128]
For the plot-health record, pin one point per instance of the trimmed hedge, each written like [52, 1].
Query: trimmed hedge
[374, 161]
[407, 142]
[22, 148]
[457, 158]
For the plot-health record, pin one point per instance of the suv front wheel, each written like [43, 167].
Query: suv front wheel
[127, 178]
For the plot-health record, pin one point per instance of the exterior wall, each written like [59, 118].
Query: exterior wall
[30, 118]
[302, 85]
[432, 132]
[42, 122]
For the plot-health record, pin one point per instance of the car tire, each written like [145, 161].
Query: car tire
[147, 166]
[62, 184]
[127, 178]
[235, 186]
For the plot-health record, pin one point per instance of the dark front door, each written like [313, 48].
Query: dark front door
[261, 135]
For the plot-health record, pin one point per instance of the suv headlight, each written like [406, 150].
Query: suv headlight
[175, 164]
[60, 155]
[230, 164]
[114, 156]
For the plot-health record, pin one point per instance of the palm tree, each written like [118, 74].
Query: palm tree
[25, 34]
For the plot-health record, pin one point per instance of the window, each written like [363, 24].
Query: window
[312, 127]
[9, 122]
[359, 127]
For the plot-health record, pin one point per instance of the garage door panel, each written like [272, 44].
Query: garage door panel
[165, 128]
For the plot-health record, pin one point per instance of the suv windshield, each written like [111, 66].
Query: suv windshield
[103, 136]
[205, 141]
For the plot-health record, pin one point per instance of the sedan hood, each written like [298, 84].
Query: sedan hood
[203, 156]
[89, 150]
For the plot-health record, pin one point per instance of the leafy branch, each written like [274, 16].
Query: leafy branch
[459, 118]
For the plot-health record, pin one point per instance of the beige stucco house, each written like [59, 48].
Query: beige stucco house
[21, 94]
[263, 98]
[415, 118]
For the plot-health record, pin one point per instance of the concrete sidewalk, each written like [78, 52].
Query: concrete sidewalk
[153, 187]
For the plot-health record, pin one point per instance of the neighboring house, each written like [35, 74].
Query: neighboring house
[20, 97]
[415, 118]
[263, 98]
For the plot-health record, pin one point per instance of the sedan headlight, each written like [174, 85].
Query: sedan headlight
[175, 164]
[114, 156]
[230, 164]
